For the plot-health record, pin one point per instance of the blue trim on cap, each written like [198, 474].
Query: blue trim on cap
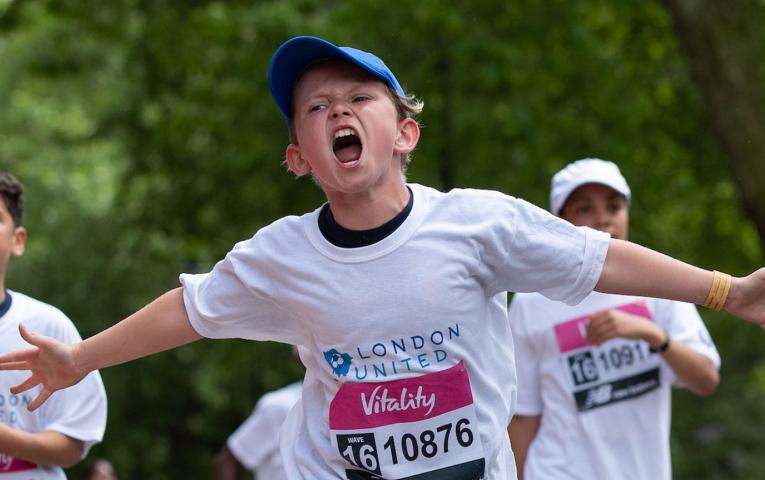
[296, 54]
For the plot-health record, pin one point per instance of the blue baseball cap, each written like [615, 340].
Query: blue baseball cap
[296, 54]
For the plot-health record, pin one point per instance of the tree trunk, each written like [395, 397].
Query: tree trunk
[723, 44]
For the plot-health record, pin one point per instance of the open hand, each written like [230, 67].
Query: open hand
[746, 299]
[51, 362]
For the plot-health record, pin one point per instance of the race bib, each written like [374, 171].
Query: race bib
[616, 370]
[10, 464]
[417, 428]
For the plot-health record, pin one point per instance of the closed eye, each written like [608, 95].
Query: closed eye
[361, 98]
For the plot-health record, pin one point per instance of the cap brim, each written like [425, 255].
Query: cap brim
[595, 179]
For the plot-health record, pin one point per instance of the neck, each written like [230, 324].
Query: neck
[370, 209]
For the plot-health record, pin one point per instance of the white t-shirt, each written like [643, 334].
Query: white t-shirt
[254, 442]
[78, 412]
[407, 347]
[605, 410]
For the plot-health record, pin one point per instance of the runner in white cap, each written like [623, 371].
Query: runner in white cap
[594, 379]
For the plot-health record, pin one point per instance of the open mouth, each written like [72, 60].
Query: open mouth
[347, 146]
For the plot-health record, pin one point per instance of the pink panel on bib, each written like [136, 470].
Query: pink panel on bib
[8, 464]
[374, 404]
[571, 333]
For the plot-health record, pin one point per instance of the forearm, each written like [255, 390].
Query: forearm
[42, 448]
[227, 467]
[159, 326]
[695, 370]
[631, 269]
[522, 430]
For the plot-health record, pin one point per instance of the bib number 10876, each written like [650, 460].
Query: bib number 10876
[361, 449]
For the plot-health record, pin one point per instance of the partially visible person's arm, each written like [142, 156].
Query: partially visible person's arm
[692, 368]
[522, 430]
[161, 325]
[227, 467]
[43, 448]
[695, 370]
[634, 270]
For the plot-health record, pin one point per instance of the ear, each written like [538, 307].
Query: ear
[19, 241]
[295, 161]
[408, 136]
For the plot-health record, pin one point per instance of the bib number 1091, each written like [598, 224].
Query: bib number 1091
[361, 450]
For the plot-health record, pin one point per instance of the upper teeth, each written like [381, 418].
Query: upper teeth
[343, 133]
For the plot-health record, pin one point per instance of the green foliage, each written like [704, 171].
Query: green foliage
[147, 139]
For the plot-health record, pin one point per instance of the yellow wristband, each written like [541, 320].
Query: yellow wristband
[718, 292]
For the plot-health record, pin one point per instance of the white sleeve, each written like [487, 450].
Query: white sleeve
[526, 361]
[684, 325]
[258, 437]
[546, 254]
[80, 410]
[232, 300]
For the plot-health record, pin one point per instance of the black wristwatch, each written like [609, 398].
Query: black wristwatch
[661, 348]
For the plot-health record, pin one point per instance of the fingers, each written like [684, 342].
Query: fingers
[17, 360]
[29, 336]
[15, 366]
[44, 394]
[600, 328]
[30, 382]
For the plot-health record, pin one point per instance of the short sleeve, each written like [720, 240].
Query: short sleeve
[247, 442]
[526, 361]
[549, 255]
[232, 301]
[78, 411]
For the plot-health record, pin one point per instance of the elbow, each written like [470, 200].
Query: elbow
[708, 385]
[71, 456]
[69, 460]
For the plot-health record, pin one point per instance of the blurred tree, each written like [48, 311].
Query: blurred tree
[724, 46]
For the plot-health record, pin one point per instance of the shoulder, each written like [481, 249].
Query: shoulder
[32, 307]
[288, 230]
[42, 317]
[477, 205]
[672, 311]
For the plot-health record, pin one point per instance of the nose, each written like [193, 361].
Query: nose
[340, 108]
[603, 217]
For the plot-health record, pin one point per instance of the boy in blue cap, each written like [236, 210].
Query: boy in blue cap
[395, 292]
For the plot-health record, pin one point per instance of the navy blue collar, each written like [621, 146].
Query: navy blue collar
[6, 305]
[340, 236]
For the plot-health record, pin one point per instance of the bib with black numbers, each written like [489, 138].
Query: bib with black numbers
[421, 428]
[619, 369]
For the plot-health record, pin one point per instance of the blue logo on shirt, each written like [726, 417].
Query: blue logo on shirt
[340, 362]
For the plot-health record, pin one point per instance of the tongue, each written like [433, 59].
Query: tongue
[349, 153]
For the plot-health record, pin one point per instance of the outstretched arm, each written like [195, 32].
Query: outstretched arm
[161, 325]
[634, 270]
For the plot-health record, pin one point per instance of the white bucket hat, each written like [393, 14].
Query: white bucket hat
[580, 172]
